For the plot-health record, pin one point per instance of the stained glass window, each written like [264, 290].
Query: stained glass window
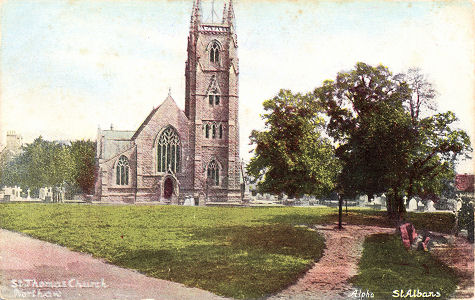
[168, 151]
[213, 173]
[122, 171]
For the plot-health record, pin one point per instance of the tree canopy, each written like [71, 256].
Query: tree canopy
[291, 155]
[386, 144]
[44, 163]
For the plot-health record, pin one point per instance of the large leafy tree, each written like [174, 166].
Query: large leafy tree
[385, 142]
[45, 163]
[291, 155]
[83, 154]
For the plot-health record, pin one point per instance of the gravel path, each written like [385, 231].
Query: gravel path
[327, 279]
[458, 254]
[73, 275]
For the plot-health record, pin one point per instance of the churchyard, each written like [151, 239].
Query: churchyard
[235, 252]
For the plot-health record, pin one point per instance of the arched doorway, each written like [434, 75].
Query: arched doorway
[168, 188]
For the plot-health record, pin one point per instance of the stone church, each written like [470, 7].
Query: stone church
[174, 154]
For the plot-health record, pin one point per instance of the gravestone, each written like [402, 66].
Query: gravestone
[377, 200]
[412, 205]
[189, 201]
[42, 193]
[458, 205]
[420, 206]
[383, 200]
[430, 206]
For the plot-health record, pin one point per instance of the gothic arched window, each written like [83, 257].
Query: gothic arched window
[214, 131]
[207, 131]
[214, 52]
[220, 131]
[213, 173]
[122, 171]
[168, 151]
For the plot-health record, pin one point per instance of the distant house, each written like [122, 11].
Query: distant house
[464, 185]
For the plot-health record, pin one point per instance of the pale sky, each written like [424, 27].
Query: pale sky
[68, 67]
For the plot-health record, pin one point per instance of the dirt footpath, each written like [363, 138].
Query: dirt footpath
[328, 277]
[33, 269]
[458, 254]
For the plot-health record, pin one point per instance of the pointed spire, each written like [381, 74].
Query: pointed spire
[198, 11]
[195, 14]
[224, 14]
[231, 13]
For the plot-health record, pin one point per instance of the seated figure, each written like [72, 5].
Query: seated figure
[411, 240]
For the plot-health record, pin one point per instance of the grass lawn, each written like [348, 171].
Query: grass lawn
[235, 252]
[387, 266]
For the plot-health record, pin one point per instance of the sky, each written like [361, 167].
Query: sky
[69, 67]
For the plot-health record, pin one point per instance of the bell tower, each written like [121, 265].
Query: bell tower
[212, 104]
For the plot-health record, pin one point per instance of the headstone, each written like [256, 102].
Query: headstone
[412, 205]
[42, 193]
[420, 206]
[189, 201]
[377, 200]
[430, 206]
[458, 205]
[383, 199]
[28, 197]
[259, 197]
[405, 201]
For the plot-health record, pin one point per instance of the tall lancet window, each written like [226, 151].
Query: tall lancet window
[168, 151]
[213, 173]
[122, 171]
[214, 53]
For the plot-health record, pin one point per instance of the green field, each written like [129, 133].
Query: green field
[386, 266]
[235, 252]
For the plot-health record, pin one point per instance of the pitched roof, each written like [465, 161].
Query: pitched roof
[115, 141]
[118, 134]
[168, 101]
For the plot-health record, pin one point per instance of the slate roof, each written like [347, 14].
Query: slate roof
[115, 142]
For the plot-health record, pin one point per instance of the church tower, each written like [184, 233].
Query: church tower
[212, 105]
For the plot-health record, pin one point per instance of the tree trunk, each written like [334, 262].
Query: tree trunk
[340, 211]
[401, 207]
[393, 205]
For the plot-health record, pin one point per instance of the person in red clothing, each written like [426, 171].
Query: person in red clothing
[411, 240]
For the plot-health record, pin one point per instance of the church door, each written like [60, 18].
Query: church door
[168, 188]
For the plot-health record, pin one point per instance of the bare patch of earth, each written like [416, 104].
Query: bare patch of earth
[458, 254]
[328, 278]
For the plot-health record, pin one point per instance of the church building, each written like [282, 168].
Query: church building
[174, 154]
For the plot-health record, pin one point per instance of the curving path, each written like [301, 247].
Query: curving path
[327, 279]
[27, 259]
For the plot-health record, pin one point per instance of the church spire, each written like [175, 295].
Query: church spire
[230, 17]
[195, 14]
[224, 14]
